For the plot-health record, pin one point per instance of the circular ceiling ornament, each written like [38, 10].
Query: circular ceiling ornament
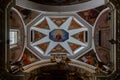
[63, 34]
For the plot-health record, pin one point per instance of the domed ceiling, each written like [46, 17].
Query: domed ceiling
[77, 35]
[59, 35]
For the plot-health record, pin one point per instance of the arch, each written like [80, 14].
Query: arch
[23, 28]
[73, 62]
[67, 8]
[110, 7]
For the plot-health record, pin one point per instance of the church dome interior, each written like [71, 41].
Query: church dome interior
[61, 39]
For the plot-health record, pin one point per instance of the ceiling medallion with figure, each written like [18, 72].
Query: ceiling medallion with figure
[59, 35]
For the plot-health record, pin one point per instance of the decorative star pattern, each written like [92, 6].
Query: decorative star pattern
[52, 44]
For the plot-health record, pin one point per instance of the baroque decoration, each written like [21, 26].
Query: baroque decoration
[65, 35]
[58, 36]
[61, 38]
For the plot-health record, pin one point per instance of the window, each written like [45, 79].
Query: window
[13, 38]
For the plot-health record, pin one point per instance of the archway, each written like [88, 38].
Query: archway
[60, 72]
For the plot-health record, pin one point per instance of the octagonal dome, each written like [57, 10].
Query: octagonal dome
[59, 34]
